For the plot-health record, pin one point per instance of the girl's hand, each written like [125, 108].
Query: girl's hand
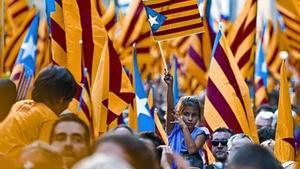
[168, 78]
[178, 119]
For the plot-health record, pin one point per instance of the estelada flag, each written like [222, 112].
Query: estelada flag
[172, 19]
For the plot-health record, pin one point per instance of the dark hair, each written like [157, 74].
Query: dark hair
[192, 101]
[70, 117]
[8, 94]
[254, 156]
[155, 139]
[223, 129]
[139, 155]
[266, 133]
[52, 84]
[264, 107]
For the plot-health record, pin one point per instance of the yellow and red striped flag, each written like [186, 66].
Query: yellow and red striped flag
[284, 149]
[291, 18]
[112, 91]
[241, 37]
[172, 19]
[82, 22]
[227, 101]
[13, 45]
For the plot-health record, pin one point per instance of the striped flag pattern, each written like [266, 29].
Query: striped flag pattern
[13, 45]
[227, 101]
[291, 19]
[284, 148]
[112, 91]
[241, 37]
[24, 69]
[172, 19]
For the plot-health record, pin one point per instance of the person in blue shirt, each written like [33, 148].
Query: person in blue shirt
[184, 136]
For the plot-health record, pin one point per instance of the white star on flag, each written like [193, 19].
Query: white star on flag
[29, 49]
[141, 106]
[152, 20]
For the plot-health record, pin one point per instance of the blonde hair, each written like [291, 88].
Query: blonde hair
[192, 101]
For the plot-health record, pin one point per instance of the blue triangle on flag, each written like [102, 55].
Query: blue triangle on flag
[155, 19]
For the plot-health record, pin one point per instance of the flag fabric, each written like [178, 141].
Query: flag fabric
[85, 102]
[175, 81]
[14, 43]
[291, 19]
[284, 148]
[112, 91]
[82, 23]
[172, 19]
[24, 69]
[261, 76]
[227, 101]
[241, 38]
[49, 8]
[145, 119]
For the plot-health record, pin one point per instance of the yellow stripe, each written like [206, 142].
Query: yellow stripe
[195, 71]
[246, 44]
[58, 16]
[179, 34]
[58, 54]
[179, 24]
[251, 15]
[182, 14]
[175, 6]
[212, 117]
[150, 2]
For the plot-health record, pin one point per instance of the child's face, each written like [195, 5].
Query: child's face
[190, 116]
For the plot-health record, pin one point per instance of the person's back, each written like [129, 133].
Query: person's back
[8, 95]
[31, 120]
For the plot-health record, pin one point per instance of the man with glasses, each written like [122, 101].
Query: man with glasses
[219, 147]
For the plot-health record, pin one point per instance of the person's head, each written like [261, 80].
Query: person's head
[237, 141]
[128, 148]
[253, 157]
[40, 155]
[269, 145]
[8, 94]
[55, 87]
[70, 136]
[266, 134]
[122, 129]
[191, 110]
[153, 142]
[264, 119]
[219, 143]
[102, 161]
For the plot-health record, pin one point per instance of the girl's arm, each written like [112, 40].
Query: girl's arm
[193, 146]
[170, 103]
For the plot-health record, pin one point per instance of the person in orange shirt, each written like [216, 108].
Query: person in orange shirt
[31, 120]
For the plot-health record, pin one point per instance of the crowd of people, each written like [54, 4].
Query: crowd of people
[41, 134]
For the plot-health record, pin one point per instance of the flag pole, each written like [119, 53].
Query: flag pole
[1, 37]
[163, 57]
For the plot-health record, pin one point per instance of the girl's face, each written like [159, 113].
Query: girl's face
[190, 116]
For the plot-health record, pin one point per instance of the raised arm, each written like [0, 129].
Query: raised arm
[170, 103]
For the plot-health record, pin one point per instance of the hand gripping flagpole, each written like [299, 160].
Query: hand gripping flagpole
[163, 57]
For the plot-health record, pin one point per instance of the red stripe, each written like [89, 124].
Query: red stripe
[111, 23]
[242, 34]
[245, 58]
[182, 19]
[180, 9]
[144, 50]
[287, 16]
[222, 107]
[85, 109]
[163, 4]
[184, 39]
[11, 3]
[141, 37]
[197, 58]
[58, 35]
[98, 8]
[293, 39]
[224, 63]
[20, 11]
[133, 23]
[180, 29]
[115, 69]
[273, 57]
[259, 84]
[87, 32]
[59, 2]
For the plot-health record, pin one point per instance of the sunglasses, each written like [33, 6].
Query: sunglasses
[217, 142]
